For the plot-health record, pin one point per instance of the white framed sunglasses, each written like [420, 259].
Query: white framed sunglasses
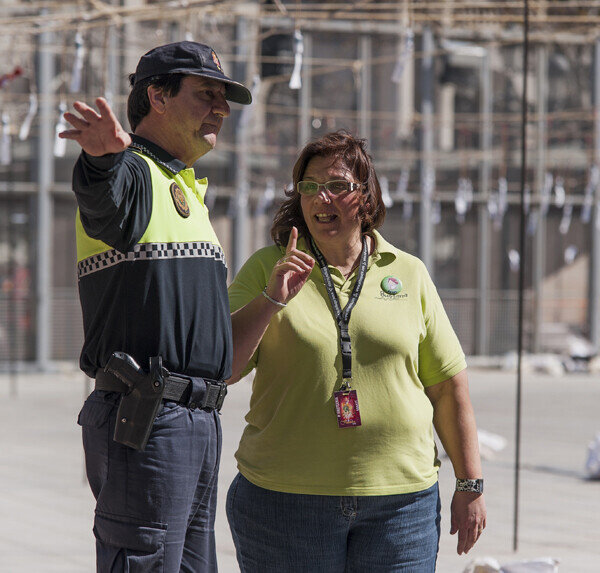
[335, 187]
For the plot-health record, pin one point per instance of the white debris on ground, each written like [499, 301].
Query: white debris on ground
[489, 445]
[491, 565]
[592, 464]
[551, 364]
[594, 365]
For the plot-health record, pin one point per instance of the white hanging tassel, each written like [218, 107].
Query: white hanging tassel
[565, 221]
[532, 222]
[76, 73]
[429, 183]
[60, 145]
[232, 207]
[546, 191]
[385, 192]
[588, 198]
[570, 254]
[5, 141]
[499, 203]
[296, 79]
[527, 199]
[26, 125]
[586, 208]
[402, 187]
[514, 259]
[266, 199]
[248, 109]
[407, 49]
[502, 195]
[492, 206]
[463, 199]
[436, 213]
[402, 195]
[559, 192]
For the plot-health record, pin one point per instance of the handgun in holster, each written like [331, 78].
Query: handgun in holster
[139, 405]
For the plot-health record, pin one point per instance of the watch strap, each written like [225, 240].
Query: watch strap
[472, 485]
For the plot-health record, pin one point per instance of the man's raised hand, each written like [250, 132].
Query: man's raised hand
[97, 133]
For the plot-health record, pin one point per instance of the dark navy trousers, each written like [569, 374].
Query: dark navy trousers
[155, 509]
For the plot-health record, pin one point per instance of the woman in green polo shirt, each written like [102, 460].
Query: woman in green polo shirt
[355, 358]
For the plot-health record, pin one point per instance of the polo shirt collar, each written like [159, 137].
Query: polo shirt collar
[157, 154]
[382, 247]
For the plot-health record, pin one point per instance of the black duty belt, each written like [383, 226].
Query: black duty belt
[205, 394]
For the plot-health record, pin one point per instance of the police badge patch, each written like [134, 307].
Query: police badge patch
[179, 200]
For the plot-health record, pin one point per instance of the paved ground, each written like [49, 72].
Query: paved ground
[46, 507]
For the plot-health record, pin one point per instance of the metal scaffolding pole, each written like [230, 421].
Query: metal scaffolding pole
[405, 94]
[45, 75]
[305, 130]
[539, 258]
[427, 172]
[365, 48]
[594, 272]
[242, 171]
[483, 223]
[247, 32]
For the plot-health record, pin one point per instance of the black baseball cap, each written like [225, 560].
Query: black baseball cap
[190, 58]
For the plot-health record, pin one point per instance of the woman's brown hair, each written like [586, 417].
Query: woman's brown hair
[349, 151]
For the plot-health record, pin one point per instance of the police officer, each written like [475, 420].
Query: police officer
[152, 285]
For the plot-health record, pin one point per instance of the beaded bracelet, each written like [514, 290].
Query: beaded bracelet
[276, 302]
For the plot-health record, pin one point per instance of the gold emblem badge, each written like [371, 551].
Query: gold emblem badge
[216, 61]
[179, 199]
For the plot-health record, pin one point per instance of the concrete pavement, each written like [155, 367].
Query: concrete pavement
[46, 507]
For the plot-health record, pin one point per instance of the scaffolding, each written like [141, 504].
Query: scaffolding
[433, 86]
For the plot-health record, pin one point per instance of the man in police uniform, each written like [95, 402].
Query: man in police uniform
[152, 284]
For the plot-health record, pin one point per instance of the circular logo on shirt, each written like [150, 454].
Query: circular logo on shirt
[391, 285]
[179, 199]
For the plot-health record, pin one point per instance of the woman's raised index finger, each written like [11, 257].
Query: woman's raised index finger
[292, 240]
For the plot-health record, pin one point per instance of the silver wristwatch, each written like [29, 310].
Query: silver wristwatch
[472, 485]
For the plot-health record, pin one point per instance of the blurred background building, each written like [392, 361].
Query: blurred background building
[435, 87]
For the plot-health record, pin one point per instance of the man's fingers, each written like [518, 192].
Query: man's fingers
[86, 111]
[77, 122]
[292, 241]
[105, 111]
[70, 134]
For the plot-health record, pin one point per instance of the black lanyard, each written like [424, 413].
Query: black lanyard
[342, 317]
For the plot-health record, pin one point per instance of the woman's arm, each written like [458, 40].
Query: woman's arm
[454, 421]
[250, 322]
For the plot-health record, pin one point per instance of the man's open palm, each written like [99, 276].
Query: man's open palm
[97, 133]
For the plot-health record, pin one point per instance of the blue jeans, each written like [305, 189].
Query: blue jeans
[155, 510]
[289, 533]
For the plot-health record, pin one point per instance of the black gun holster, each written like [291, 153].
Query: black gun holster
[139, 405]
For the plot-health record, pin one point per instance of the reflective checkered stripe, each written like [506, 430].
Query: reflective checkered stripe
[151, 251]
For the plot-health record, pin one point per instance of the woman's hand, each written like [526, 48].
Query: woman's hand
[468, 518]
[291, 272]
[454, 421]
[97, 133]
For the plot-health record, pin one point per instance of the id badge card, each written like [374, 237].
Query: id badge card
[346, 408]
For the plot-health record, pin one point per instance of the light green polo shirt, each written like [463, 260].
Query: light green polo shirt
[400, 344]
